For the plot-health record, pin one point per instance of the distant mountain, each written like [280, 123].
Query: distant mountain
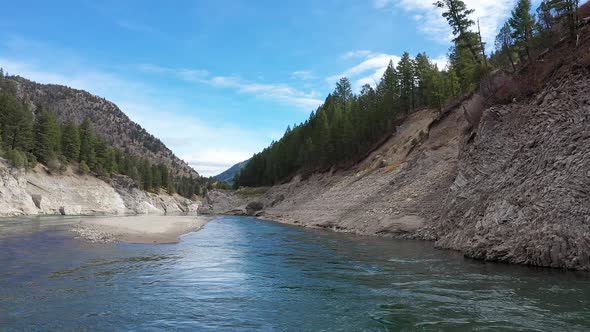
[109, 121]
[229, 174]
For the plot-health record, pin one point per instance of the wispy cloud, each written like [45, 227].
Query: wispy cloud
[368, 71]
[430, 21]
[186, 74]
[280, 92]
[304, 75]
[355, 54]
[134, 26]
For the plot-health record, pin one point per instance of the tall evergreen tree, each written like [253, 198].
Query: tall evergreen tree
[343, 90]
[457, 16]
[46, 137]
[87, 141]
[504, 44]
[16, 124]
[522, 24]
[405, 68]
[70, 141]
[567, 11]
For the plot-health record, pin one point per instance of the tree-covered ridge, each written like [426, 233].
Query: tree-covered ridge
[108, 120]
[27, 138]
[348, 125]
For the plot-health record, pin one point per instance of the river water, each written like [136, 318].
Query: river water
[242, 274]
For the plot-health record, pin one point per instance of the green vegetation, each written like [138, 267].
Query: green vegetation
[347, 126]
[27, 138]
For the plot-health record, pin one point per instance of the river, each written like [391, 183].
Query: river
[243, 274]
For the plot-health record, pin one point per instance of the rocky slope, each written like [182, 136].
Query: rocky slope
[504, 182]
[521, 194]
[109, 121]
[37, 192]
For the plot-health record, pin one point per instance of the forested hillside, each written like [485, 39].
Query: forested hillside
[228, 175]
[109, 121]
[349, 125]
[60, 127]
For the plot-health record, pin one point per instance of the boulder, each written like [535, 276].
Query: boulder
[70, 210]
[37, 200]
[254, 207]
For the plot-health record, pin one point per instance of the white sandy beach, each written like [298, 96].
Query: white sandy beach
[138, 229]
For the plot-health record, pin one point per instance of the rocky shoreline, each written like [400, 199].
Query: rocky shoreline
[37, 192]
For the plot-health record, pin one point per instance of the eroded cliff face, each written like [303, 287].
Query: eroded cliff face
[522, 191]
[37, 192]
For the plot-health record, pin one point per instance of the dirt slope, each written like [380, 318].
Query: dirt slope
[394, 191]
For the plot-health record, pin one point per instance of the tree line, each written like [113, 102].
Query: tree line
[526, 32]
[27, 138]
[347, 125]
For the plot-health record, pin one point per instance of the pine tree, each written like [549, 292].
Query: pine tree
[16, 124]
[46, 137]
[567, 11]
[70, 141]
[87, 141]
[146, 175]
[522, 24]
[545, 17]
[405, 68]
[101, 155]
[504, 44]
[156, 177]
[343, 90]
[457, 16]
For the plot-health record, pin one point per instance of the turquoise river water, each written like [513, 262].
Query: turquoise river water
[243, 274]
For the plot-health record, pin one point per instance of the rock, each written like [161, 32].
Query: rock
[253, 207]
[278, 199]
[75, 210]
[37, 200]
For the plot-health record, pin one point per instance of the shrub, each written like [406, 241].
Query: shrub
[63, 162]
[54, 166]
[84, 169]
[16, 158]
[31, 160]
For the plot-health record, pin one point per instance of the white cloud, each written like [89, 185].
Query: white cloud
[441, 61]
[304, 75]
[368, 71]
[355, 54]
[280, 92]
[428, 18]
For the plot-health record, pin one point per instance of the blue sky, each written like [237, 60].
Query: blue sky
[218, 80]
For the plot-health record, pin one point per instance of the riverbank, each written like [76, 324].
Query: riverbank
[38, 192]
[138, 229]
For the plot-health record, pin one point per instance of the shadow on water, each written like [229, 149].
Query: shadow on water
[240, 273]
